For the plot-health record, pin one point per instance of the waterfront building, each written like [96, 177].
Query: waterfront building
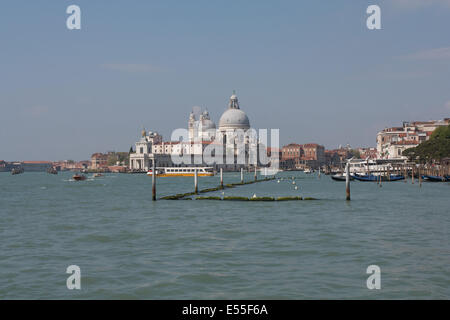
[36, 166]
[332, 158]
[368, 153]
[291, 151]
[275, 155]
[29, 166]
[298, 157]
[117, 169]
[391, 142]
[143, 157]
[314, 151]
[99, 161]
[72, 165]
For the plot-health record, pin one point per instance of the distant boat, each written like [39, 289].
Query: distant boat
[374, 178]
[435, 178]
[308, 171]
[182, 172]
[79, 177]
[52, 170]
[97, 175]
[341, 177]
[17, 170]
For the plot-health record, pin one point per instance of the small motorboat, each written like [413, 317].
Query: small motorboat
[97, 175]
[341, 177]
[79, 177]
[52, 170]
[17, 170]
[435, 178]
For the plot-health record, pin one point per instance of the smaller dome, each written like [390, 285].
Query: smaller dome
[208, 124]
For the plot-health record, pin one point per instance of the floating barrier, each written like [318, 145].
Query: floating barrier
[262, 199]
[289, 198]
[255, 199]
[208, 198]
[235, 198]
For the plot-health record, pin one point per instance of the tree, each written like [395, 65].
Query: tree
[112, 159]
[355, 153]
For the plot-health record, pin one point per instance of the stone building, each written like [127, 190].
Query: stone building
[99, 161]
[143, 157]
[391, 142]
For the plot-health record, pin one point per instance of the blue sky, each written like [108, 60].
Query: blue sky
[310, 68]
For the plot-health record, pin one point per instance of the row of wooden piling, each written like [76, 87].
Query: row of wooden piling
[417, 170]
[196, 191]
[408, 170]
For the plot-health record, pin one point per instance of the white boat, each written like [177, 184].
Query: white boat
[269, 171]
[369, 166]
[182, 171]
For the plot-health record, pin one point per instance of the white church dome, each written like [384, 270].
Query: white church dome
[208, 124]
[234, 117]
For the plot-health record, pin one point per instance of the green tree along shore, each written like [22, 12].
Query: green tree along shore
[437, 148]
[115, 157]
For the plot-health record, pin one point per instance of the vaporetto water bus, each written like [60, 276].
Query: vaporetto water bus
[182, 172]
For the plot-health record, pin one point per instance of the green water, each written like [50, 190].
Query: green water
[130, 247]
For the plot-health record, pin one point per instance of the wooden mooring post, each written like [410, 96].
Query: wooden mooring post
[195, 181]
[347, 182]
[420, 177]
[221, 178]
[256, 177]
[242, 175]
[405, 174]
[153, 180]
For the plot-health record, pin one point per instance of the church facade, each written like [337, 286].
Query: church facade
[234, 147]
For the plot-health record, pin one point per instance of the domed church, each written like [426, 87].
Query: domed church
[231, 120]
[232, 132]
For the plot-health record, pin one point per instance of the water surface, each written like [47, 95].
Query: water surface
[130, 247]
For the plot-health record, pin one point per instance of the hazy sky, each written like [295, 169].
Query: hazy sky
[310, 68]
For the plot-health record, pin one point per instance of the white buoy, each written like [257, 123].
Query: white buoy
[278, 181]
[293, 182]
[296, 188]
[254, 195]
